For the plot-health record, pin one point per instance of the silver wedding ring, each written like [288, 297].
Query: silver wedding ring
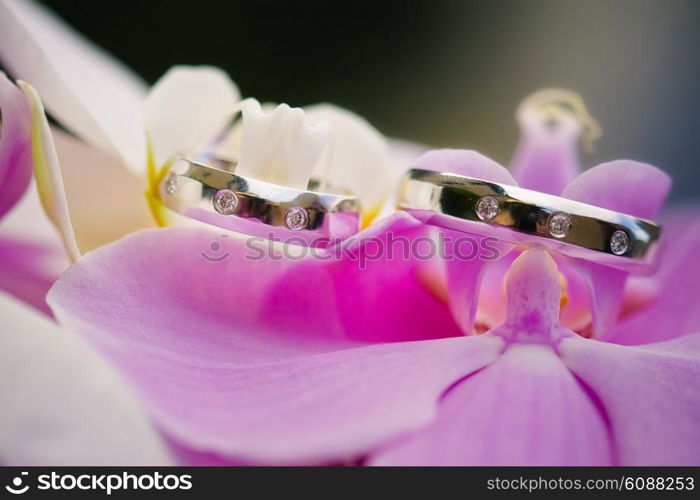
[218, 196]
[516, 215]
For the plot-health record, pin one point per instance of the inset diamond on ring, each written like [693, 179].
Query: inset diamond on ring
[487, 208]
[559, 224]
[225, 202]
[619, 242]
[171, 184]
[296, 218]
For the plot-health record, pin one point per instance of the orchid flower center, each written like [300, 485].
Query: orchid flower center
[558, 108]
[533, 295]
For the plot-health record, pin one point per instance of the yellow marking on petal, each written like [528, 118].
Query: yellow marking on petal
[557, 102]
[158, 209]
[152, 193]
[563, 283]
[41, 169]
[369, 215]
[49, 181]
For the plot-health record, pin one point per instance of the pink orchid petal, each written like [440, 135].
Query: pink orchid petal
[651, 395]
[546, 158]
[464, 269]
[282, 307]
[247, 358]
[28, 220]
[671, 309]
[188, 457]
[320, 408]
[382, 280]
[31, 253]
[576, 309]
[625, 186]
[467, 257]
[176, 291]
[15, 152]
[606, 289]
[491, 307]
[28, 269]
[524, 409]
[61, 403]
[465, 162]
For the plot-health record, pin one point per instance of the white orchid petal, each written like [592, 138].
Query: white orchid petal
[47, 172]
[402, 157]
[61, 403]
[105, 200]
[185, 104]
[356, 158]
[87, 90]
[280, 146]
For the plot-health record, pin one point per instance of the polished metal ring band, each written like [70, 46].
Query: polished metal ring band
[515, 214]
[215, 196]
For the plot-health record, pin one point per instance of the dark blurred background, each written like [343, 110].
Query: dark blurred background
[444, 73]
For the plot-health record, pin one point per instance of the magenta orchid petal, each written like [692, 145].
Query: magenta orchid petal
[465, 162]
[625, 186]
[651, 395]
[28, 269]
[467, 257]
[606, 289]
[465, 261]
[32, 255]
[670, 309]
[524, 409]
[546, 158]
[395, 304]
[15, 151]
[576, 308]
[223, 372]
[327, 407]
[175, 292]
[491, 308]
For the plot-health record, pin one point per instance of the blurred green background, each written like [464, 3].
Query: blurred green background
[444, 73]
